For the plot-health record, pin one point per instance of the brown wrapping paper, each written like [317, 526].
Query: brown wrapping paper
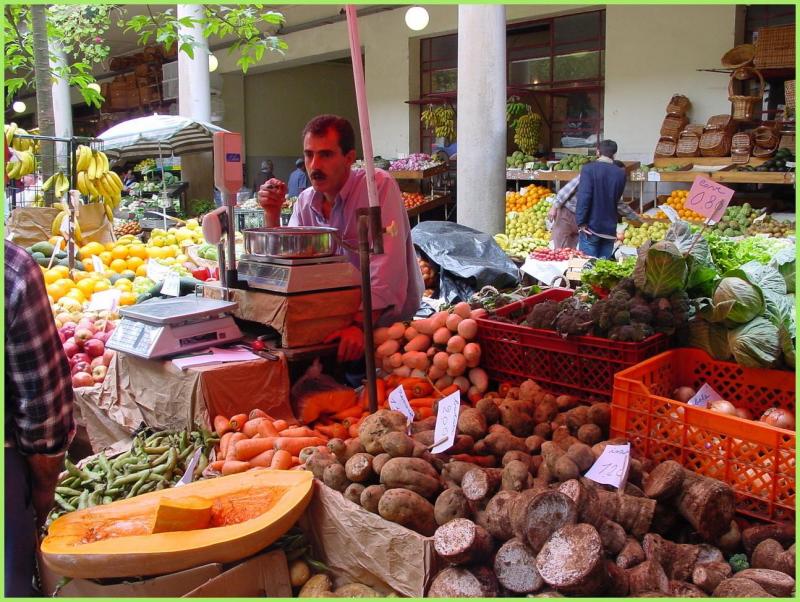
[158, 394]
[363, 547]
[28, 225]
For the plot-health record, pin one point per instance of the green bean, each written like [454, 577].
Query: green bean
[156, 450]
[202, 463]
[161, 459]
[67, 491]
[186, 452]
[83, 500]
[138, 485]
[184, 439]
[122, 460]
[129, 478]
[104, 465]
[63, 503]
[148, 486]
[152, 439]
[107, 499]
[94, 499]
[137, 467]
[113, 491]
[74, 470]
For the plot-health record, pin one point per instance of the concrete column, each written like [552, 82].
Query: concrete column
[62, 104]
[194, 91]
[481, 127]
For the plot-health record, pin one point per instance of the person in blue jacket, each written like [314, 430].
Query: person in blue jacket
[601, 187]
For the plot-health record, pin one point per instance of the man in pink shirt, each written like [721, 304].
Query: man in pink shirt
[336, 193]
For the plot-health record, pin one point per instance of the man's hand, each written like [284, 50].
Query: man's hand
[42, 500]
[551, 215]
[351, 343]
[272, 194]
[44, 471]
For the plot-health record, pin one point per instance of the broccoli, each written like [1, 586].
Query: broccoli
[622, 317]
[738, 562]
[600, 315]
[627, 285]
[573, 318]
[641, 312]
[543, 315]
[630, 333]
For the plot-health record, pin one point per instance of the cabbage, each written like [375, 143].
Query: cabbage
[756, 344]
[711, 338]
[767, 278]
[660, 269]
[784, 262]
[736, 300]
[787, 345]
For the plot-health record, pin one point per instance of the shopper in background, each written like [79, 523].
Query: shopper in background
[562, 214]
[298, 179]
[337, 192]
[128, 180]
[38, 415]
[264, 174]
[601, 186]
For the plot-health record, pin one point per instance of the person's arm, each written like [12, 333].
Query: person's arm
[627, 212]
[39, 394]
[585, 191]
[271, 195]
[563, 196]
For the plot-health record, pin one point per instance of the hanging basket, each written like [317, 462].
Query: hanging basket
[678, 105]
[788, 89]
[739, 56]
[666, 147]
[744, 107]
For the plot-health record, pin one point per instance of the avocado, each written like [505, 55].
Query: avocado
[37, 255]
[45, 248]
[43, 261]
[114, 277]
[79, 266]
[61, 254]
[64, 262]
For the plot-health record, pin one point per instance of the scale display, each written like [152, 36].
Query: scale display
[298, 276]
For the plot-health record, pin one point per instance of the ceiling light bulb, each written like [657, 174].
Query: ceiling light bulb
[213, 63]
[19, 106]
[417, 18]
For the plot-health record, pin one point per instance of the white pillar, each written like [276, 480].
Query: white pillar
[62, 105]
[194, 91]
[481, 127]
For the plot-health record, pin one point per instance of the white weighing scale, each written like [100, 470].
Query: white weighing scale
[299, 275]
[174, 326]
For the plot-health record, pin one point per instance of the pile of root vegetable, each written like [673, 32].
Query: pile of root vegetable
[510, 513]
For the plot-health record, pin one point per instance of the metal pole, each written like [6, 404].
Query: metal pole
[366, 303]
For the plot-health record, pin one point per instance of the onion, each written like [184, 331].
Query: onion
[723, 407]
[683, 394]
[744, 413]
[778, 417]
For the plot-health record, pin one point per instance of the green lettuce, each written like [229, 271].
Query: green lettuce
[784, 262]
[710, 337]
[735, 300]
[756, 344]
[660, 269]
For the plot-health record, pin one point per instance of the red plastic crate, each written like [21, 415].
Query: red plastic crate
[583, 366]
[756, 459]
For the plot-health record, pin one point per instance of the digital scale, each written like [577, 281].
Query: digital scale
[174, 326]
[298, 275]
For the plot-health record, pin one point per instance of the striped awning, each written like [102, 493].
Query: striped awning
[157, 135]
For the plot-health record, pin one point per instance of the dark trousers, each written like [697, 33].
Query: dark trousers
[596, 246]
[20, 526]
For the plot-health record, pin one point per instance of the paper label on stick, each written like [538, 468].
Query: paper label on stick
[107, 299]
[172, 284]
[703, 396]
[611, 468]
[398, 401]
[671, 214]
[653, 176]
[64, 227]
[97, 264]
[708, 198]
[444, 435]
[155, 271]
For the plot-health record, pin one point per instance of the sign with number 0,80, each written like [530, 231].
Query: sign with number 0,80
[708, 198]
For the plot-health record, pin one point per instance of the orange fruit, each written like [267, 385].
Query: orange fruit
[127, 298]
[106, 257]
[56, 291]
[50, 276]
[86, 286]
[65, 282]
[110, 245]
[101, 285]
[118, 265]
[78, 275]
[119, 252]
[142, 270]
[134, 262]
[77, 295]
[138, 251]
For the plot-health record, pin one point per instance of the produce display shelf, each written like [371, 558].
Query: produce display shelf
[754, 177]
[556, 175]
[436, 201]
[681, 161]
[403, 174]
[583, 366]
[757, 460]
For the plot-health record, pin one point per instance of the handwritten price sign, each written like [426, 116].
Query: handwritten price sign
[709, 198]
[399, 403]
[611, 468]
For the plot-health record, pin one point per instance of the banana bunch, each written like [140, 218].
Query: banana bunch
[63, 214]
[13, 141]
[59, 182]
[96, 181]
[514, 110]
[20, 164]
[441, 120]
[527, 133]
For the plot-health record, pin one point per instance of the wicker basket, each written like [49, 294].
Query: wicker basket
[694, 128]
[715, 143]
[673, 125]
[666, 147]
[775, 47]
[720, 122]
[688, 144]
[763, 153]
[743, 141]
[740, 157]
[744, 107]
[765, 137]
[788, 89]
[738, 56]
[678, 105]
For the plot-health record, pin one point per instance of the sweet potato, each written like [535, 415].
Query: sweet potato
[543, 430]
[454, 471]
[358, 467]
[397, 444]
[472, 422]
[413, 474]
[461, 541]
[514, 454]
[319, 461]
[450, 504]
[590, 434]
[769, 554]
[316, 586]
[545, 411]
[566, 402]
[496, 517]
[488, 408]
[334, 476]
[464, 582]
[499, 443]
[581, 454]
[537, 515]
[516, 416]
[407, 508]
[353, 492]
[515, 567]
[376, 426]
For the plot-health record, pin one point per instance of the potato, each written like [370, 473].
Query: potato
[462, 309]
[378, 462]
[600, 414]
[355, 590]
[453, 320]
[397, 445]
[515, 415]
[409, 509]
[590, 434]
[413, 474]
[376, 426]
[565, 469]
[581, 454]
[545, 411]
[456, 344]
[451, 504]
[299, 572]
[318, 462]
[534, 444]
[353, 492]
[334, 476]
[472, 422]
[468, 328]
[577, 417]
[489, 409]
[371, 496]
[441, 336]
[359, 467]
[315, 586]
[456, 365]
[543, 430]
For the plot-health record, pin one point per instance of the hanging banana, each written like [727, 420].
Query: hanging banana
[528, 132]
[514, 110]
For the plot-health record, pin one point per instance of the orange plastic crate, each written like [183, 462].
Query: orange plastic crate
[756, 459]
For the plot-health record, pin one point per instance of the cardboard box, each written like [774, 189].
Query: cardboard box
[265, 575]
[362, 547]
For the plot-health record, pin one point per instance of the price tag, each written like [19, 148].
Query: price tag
[172, 284]
[155, 271]
[64, 227]
[399, 403]
[611, 468]
[653, 176]
[97, 264]
[444, 435]
[107, 299]
[703, 396]
[708, 198]
[671, 214]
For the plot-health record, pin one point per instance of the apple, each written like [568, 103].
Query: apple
[99, 373]
[102, 336]
[101, 326]
[68, 331]
[97, 361]
[80, 367]
[70, 348]
[82, 357]
[108, 355]
[87, 323]
[94, 348]
[82, 379]
[82, 335]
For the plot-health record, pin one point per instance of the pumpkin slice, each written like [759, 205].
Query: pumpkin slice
[186, 514]
[248, 512]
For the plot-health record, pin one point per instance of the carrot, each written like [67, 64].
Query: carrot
[298, 467]
[380, 385]
[282, 460]
[264, 459]
[296, 461]
[258, 413]
[237, 422]
[352, 430]
[224, 443]
[484, 461]
[235, 466]
[250, 448]
[423, 412]
[217, 465]
[266, 429]
[280, 425]
[222, 425]
[294, 445]
[297, 431]
[355, 410]
[422, 402]
[448, 390]
[416, 387]
[231, 451]
[250, 427]
[333, 431]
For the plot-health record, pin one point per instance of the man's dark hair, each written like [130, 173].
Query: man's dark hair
[607, 148]
[320, 125]
[299, 163]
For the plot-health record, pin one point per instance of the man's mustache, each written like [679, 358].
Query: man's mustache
[317, 175]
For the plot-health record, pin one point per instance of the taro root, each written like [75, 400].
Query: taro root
[572, 561]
